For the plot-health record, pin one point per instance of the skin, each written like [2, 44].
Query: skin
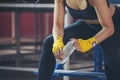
[104, 18]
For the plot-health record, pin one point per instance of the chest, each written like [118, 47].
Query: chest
[78, 4]
[81, 9]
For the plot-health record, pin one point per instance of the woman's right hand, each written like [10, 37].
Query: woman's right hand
[58, 48]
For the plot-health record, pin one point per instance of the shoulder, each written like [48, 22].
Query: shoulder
[61, 2]
[94, 2]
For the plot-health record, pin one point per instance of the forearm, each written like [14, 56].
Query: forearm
[58, 23]
[105, 19]
[57, 31]
[104, 34]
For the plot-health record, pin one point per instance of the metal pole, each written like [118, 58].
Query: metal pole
[41, 26]
[36, 32]
[98, 59]
[67, 64]
[17, 36]
[13, 26]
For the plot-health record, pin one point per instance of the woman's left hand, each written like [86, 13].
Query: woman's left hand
[84, 45]
[76, 44]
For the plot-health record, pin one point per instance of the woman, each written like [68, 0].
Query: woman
[98, 24]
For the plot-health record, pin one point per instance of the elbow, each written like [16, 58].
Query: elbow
[109, 29]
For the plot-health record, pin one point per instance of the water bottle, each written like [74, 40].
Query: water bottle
[67, 51]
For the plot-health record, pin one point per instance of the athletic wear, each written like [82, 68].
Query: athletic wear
[80, 29]
[88, 14]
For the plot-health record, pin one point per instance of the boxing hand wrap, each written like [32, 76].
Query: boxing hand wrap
[58, 43]
[88, 44]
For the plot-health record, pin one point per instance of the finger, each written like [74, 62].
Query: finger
[78, 49]
[75, 44]
[61, 51]
[72, 39]
[59, 55]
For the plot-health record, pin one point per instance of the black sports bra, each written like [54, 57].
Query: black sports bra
[88, 14]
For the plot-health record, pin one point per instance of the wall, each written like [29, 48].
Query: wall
[27, 23]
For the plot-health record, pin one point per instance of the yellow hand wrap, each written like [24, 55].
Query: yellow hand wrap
[57, 44]
[86, 45]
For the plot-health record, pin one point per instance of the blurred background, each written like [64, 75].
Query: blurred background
[24, 24]
[21, 37]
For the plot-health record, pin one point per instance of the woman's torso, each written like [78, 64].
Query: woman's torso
[83, 9]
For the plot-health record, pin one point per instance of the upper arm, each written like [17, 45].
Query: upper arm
[103, 13]
[59, 12]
